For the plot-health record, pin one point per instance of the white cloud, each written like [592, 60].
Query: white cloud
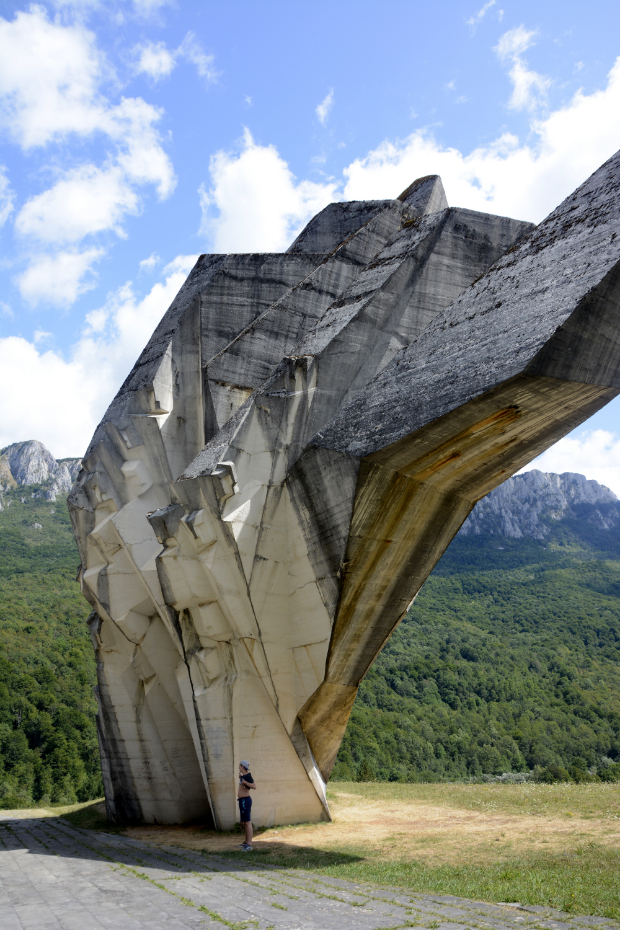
[595, 454]
[148, 264]
[322, 111]
[515, 42]
[82, 385]
[191, 49]
[6, 196]
[182, 264]
[479, 16]
[88, 200]
[255, 203]
[155, 60]
[505, 177]
[58, 279]
[261, 205]
[529, 87]
[141, 155]
[158, 61]
[51, 78]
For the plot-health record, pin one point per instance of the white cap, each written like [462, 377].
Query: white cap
[246, 765]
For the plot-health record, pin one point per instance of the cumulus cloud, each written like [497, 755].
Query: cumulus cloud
[6, 196]
[155, 60]
[58, 279]
[322, 111]
[83, 383]
[51, 80]
[524, 180]
[158, 61]
[253, 201]
[595, 454]
[529, 87]
[261, 206]
[87, 200]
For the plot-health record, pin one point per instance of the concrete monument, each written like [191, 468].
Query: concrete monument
[293, 451]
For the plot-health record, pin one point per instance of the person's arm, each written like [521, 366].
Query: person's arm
[248, 784]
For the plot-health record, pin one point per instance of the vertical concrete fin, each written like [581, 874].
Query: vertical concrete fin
[183, 429]
[425, 195]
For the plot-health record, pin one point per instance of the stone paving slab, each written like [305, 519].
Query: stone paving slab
[55, 876]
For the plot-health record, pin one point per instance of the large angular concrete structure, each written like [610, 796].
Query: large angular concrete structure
[290, 456]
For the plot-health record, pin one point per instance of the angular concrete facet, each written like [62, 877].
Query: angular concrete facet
[293, 451]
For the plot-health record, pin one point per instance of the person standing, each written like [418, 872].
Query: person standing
[246, 784]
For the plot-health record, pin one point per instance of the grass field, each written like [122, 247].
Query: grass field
[556, 845]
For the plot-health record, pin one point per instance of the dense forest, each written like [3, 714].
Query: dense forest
[509, 661]
[48, 739]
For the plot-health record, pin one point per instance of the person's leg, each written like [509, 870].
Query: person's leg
[248, 832]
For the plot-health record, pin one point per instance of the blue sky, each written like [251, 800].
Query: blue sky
[135, 135]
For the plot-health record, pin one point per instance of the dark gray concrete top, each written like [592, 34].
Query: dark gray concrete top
[556, 290]
[334, 224]
[234, 290]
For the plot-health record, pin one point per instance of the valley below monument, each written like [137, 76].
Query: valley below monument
[507, 662]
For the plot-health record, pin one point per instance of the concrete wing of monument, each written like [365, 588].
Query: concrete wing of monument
[292, 453]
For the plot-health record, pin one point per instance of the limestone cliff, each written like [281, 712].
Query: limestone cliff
[30, 463]
[529, 504]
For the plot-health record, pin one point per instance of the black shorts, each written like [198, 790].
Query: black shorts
[245, 809]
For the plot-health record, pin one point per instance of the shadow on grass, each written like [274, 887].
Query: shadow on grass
[292, 857]
[91, 816]
[582, 881]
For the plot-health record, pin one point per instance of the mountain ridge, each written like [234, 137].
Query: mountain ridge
[525, 505]
[31, 463]
[530, 503]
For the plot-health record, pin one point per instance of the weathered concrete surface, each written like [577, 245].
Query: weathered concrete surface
[289, 458]
[56, 877]
[522, 357]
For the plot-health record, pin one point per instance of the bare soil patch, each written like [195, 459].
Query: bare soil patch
[435, 823]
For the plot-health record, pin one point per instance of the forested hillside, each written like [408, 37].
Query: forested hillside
[48, 740]
[509, 660]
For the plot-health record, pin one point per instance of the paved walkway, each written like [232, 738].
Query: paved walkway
[55, 876]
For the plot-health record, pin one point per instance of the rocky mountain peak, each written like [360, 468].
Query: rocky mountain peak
[526, 505]
[30, 462]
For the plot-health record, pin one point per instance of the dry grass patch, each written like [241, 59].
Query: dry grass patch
[439, 824]
[556, 845]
